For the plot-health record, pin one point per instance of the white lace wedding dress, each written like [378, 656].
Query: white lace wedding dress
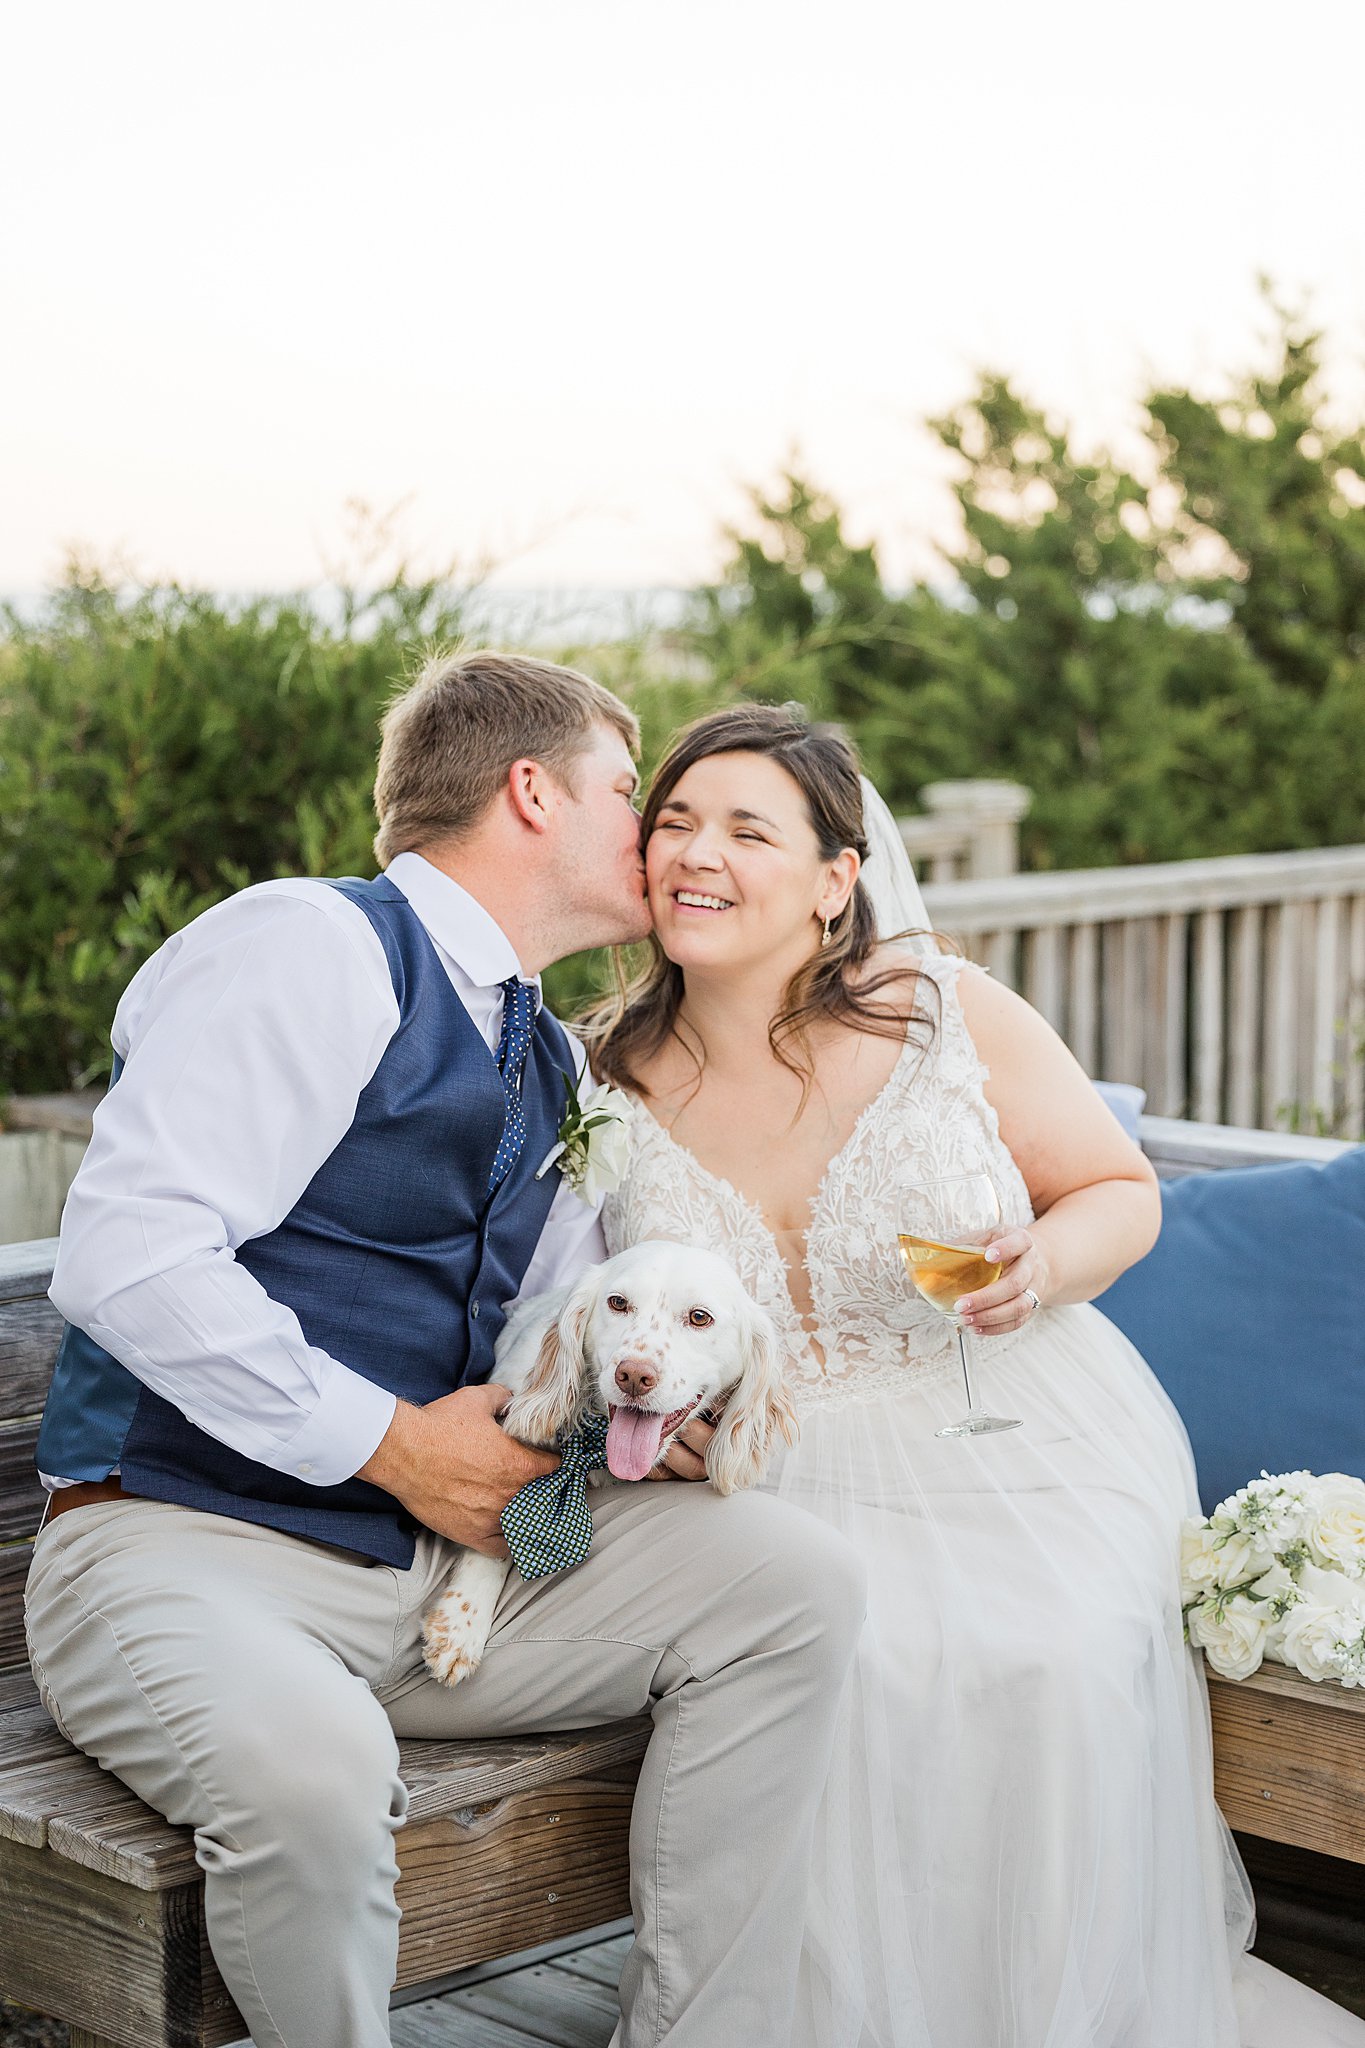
[1018, 1846]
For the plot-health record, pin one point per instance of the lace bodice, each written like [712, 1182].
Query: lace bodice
[870, 1332]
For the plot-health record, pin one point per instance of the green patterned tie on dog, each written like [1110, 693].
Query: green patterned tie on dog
[548, 1525]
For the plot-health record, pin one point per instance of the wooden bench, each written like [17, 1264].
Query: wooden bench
[509, 1845]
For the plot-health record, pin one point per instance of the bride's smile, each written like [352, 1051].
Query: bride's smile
[733, 868]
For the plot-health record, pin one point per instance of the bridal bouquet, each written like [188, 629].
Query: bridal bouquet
[1278, 1570]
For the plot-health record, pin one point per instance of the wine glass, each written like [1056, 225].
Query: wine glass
[955, 1219]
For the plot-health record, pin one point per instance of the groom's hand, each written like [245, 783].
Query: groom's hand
[454, 1467]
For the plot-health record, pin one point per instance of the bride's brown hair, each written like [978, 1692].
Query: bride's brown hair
[630, 1027]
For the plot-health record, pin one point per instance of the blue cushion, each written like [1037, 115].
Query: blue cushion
[1251, 1312]
[1126, 1101]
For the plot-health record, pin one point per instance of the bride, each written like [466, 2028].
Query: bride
[1018, 1845]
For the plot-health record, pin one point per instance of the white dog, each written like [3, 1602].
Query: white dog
[648, 1339]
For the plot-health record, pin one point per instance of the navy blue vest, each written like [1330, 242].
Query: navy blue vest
[394, 1260]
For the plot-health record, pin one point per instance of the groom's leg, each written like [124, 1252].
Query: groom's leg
[734, 1622]
[225, 1673]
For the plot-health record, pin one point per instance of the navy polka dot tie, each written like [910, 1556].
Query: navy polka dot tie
[518, 1018]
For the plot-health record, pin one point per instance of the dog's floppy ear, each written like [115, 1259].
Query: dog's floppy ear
[759, 1410]
[552, 1397]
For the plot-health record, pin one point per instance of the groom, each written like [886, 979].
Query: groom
[284, 1263]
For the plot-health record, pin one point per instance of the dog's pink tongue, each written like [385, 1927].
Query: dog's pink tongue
[632, 1442]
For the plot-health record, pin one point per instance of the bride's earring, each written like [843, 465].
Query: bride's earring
[825, 935]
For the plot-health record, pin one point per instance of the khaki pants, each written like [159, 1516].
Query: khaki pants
[250, 1685]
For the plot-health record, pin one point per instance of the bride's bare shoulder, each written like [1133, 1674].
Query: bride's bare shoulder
[891, 971]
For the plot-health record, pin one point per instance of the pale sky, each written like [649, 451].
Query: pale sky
[564, 275]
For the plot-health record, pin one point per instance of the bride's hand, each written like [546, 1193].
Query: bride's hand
[1015, 1296]
[685, 1456]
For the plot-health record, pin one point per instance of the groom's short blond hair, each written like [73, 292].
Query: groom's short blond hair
[450, 739]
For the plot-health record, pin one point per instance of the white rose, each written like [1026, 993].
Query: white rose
[1241, 1557]
[1234, 1642]
[1336, 1530]
[1277, 1588]
[1309, 1640]
[1199, 1572]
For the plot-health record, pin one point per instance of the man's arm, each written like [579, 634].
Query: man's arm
[247, 1043]
[454, 1467]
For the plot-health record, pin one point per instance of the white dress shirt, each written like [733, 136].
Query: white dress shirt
[246, 1042]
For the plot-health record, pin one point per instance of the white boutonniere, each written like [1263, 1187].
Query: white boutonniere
[593, 1140]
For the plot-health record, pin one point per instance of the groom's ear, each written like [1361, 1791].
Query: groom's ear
[533, 793]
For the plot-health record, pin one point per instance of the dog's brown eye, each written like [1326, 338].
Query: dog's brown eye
[700, 1318]
[619, 1304]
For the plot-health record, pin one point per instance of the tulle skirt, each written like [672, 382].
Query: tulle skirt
[1018, 1845]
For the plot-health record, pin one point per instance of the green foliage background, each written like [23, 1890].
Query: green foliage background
[1169, 654]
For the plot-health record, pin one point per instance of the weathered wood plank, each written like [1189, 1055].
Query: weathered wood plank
[141, 1849]
[531, 1869]
[1043, 974]
[1281, 1680]
[474, 1886]
[124, 1964]
[1083, 1027]
[30, 1331]
[444, 2023]
[1132, 949]
[603, 1962]
[18, 1695]
[1170, 1094]
[996, 952]
[14, 1563]
[1327, 1015]
[1289, 1761]
[1305, 1004]
[1278, 1083]
[569, 2011]
[1354, 1096]
[28, 1734]
[22, 1498]
[443, 1777]
[1244, 1015]
[1014, 903]
[1114, 1063]
[1208, 1016]
[52, 1795]
[61, 1784]
[1176, 1148]
[26, 1269]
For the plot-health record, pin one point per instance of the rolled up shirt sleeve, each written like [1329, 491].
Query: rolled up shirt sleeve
[247, 1041]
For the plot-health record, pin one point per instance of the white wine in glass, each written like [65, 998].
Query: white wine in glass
[945, 1259]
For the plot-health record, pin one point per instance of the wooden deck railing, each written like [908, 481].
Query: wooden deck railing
[1232, 990]
[968, 831]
